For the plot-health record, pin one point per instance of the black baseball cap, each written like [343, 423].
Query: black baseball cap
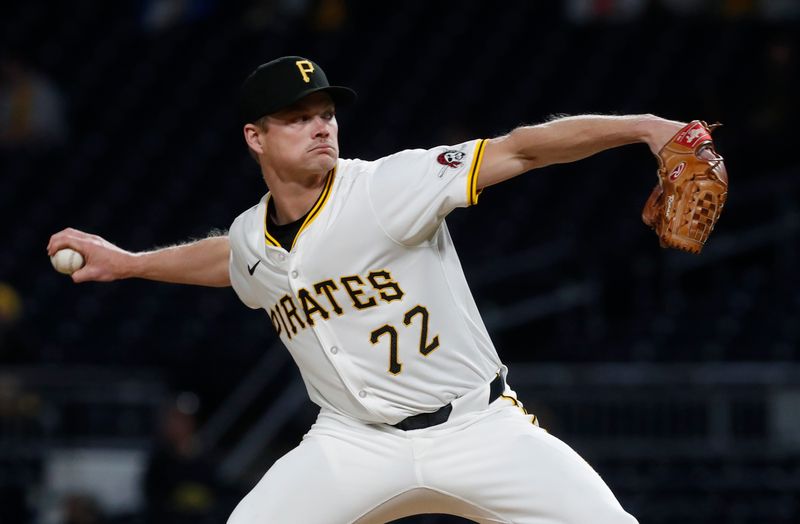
[282, 82]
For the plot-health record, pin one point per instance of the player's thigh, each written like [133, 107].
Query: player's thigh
[508, 465]
[327, 479]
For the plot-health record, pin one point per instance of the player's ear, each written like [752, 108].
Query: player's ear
[253, 135]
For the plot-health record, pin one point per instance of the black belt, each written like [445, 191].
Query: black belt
[426, 420]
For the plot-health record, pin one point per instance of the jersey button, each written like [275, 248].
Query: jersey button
[334, 350]
[294, 274]
[362, 393]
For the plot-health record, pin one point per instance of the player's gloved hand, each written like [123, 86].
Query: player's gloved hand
[104, 262]
[692, 189]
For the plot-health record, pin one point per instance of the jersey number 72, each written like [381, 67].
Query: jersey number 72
[395, 366]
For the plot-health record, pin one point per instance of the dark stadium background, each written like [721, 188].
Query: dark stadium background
[676, 376]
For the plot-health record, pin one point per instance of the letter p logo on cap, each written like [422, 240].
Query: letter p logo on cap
[305, 67]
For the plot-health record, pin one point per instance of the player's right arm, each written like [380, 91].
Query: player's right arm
[202, 262]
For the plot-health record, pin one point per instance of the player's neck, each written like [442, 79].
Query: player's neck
[293, 196]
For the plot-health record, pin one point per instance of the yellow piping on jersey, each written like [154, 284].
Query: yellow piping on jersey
[472, 178]
[318, 205]
[323, 198]
[269, 239]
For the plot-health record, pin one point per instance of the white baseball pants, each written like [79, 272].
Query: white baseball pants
[488, 466]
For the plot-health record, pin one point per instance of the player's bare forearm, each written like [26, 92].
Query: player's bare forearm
[569, 139]
[201, 263]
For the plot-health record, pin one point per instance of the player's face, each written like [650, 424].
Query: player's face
[304, 136]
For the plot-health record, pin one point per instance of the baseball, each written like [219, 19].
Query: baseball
[67, 261]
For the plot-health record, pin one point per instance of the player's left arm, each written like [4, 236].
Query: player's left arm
[568, 139]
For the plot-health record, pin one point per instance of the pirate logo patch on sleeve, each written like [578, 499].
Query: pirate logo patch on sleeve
[451, 158]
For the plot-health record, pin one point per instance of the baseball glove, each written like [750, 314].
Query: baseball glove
[691, 191]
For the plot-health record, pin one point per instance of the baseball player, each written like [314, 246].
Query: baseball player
[352, 262]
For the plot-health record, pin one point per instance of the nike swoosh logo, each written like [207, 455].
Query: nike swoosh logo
[252, 270]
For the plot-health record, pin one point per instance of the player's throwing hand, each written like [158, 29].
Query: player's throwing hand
[103, 261]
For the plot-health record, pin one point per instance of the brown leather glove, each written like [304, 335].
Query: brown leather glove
[691, 191]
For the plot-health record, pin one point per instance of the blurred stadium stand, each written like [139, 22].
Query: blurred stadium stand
[677, 377]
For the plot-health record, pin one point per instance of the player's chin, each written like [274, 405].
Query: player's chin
[325, 160]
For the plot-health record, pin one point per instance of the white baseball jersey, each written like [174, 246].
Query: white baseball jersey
[373, 306]
[371, 300]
